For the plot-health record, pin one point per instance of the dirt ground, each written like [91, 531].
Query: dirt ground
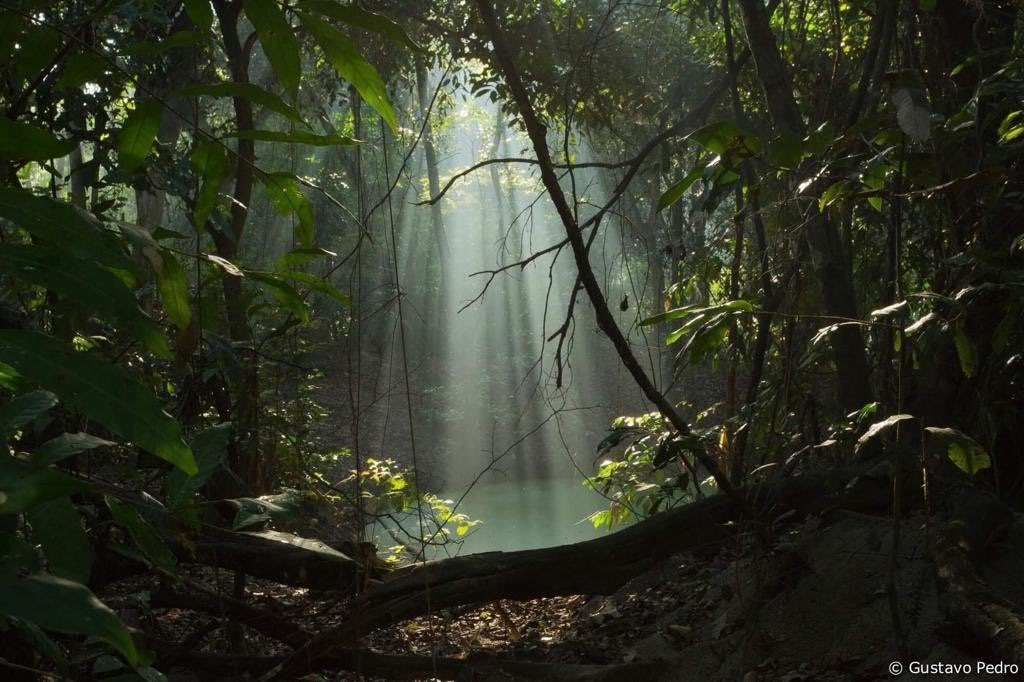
[814, 604]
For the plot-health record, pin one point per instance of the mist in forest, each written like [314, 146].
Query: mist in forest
[492, 422]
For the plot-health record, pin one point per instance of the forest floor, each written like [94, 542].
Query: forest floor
[815, 604]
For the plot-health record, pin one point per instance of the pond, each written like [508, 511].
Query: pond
[518, 515]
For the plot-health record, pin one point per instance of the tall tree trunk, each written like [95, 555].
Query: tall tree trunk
[244, 455]
[829, 254]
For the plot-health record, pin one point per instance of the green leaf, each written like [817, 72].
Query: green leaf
[209, 448]
[200, 13]
[253, 93]
[787, 151]
[24, 142]
[22, 409]
[62, 225]
[966, 351]
[210, 161]
[143, 535]
[61, 605]
[174, 291]
[283, 292]
[361, 18]
[301, 257]
[676, 191]
[57, 526]
[726, 137]
[282, 508]
[831, 193]
[278, 40]
[962, 450]
[66, 445]
[344, 56]
[316, 283]
[87, 284]
[99, 390]
[288, 198]
[295, 137]
[23, 485]
[138, 134]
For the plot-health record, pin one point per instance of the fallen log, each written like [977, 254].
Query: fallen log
[281, 557]
[597, 566]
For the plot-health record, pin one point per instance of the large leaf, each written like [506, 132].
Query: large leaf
[66, 445]
[283, 292]
[676, 191]
[143, 535]
[288, 198]
[361, 18]
[99, 390]
[57, 526]
[174, 291]
[62, 225]
[282, 508]
[725, 137]
[210, 161]
[61, 605]
[209, 448]
[278, 40]
[24, 142]
[344, 56]
[913, 113]
[86, 284]
[316, 283]
[24, 485]
[201, 14]
[138, 134]
[295, 137]
[22, 409]
[253, 93]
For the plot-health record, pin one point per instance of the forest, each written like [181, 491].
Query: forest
[511, 340]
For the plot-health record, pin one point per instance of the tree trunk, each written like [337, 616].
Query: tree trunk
[829, 254]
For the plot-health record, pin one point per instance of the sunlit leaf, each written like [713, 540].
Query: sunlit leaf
[174, 290]
[138, 134]
[344, 56]
[288, 198]
[277, 37]
[210, 161]
[913, 113]
[99, 390]
[283, 292]
[361, 18]
[318, 284]
[301, 256]
[724, 137]
[676, 191]
[966, 351]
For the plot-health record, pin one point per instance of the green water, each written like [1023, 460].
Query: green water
[522, 516]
